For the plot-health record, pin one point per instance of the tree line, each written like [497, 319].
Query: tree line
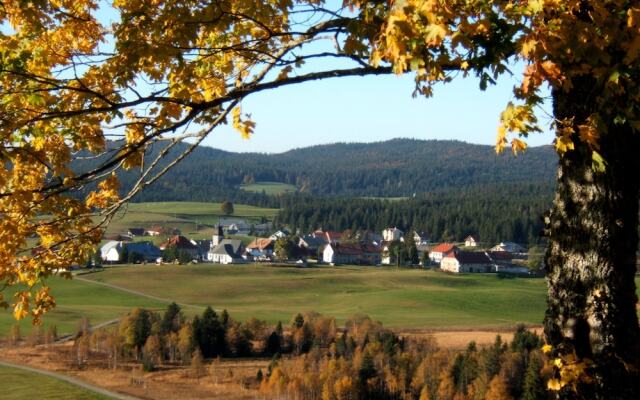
[313, 358]
[493, 213]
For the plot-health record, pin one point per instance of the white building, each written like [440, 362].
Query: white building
[391, 234]
[466, 261]
[470, 241]
[437, 253]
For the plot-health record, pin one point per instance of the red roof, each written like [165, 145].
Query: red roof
[260, 243]
[443, 248]
[179, 242]
[332, 235]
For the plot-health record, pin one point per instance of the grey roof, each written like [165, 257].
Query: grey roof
[230, 247]
[146, 249]
[313, 241]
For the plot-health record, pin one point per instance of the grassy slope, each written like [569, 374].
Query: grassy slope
[404, 298]
[76, 299]
[270, 188]
[186, 216]
[19, 385]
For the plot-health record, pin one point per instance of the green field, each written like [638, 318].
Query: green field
[194, 219]
[270, 188]
[76, 299]
[19, 385]
[399, 298]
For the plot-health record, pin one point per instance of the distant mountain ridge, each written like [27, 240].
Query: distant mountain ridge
[394, 168]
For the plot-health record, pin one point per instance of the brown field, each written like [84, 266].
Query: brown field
[225, 381]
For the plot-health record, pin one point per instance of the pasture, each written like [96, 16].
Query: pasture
[18, 384]
[402, 298]
[194, 219]
[77, 299]
[270, 188]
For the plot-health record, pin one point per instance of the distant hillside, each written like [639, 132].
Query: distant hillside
[395, 168]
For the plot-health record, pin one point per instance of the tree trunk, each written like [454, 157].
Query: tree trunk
[591, 258]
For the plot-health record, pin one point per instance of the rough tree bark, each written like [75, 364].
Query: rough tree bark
[591, 258]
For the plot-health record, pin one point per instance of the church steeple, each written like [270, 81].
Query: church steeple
[218, 236]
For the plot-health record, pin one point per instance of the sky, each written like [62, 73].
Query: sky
[370, 109]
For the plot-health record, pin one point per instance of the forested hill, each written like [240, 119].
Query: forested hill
[395, 168]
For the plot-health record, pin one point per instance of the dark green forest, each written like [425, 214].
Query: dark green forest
[493, 213]
[395, 168]
[452, 188]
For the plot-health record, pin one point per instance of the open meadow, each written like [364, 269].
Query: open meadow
[269, 188]
[194, 219]
[402, 299]
[18, 384]
[77, 299]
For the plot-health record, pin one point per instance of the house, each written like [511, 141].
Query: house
[466, 261]
[509, 247]
[470, 241]
[420, 238]
[282, 233]
[117, 251]
[336, 253]
[312, 244]
[391, 234]
[203, 245]
[111, 251]
[261, 248]
[227, 251]
[146, 250]
[136, 232]
[181, 244]
[437, 253]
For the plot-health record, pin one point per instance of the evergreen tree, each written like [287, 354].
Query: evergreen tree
[534, 387]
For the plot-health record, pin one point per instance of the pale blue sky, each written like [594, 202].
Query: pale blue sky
[371, 109]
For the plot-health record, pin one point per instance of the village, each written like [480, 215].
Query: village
[391, 248]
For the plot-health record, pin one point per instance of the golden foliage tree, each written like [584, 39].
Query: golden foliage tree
[587, 53]
[166, 70]
[159, 72]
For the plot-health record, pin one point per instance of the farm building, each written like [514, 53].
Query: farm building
[182, 244]
[261, 248]
[437, 253]
[466, 261]
[115, 252]
[351, 254]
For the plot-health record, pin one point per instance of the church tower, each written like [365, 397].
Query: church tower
[217, 237]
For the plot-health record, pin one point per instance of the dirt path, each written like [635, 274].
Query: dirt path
[70, 380]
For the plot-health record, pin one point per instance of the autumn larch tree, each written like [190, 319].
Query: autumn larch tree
[169, 70]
